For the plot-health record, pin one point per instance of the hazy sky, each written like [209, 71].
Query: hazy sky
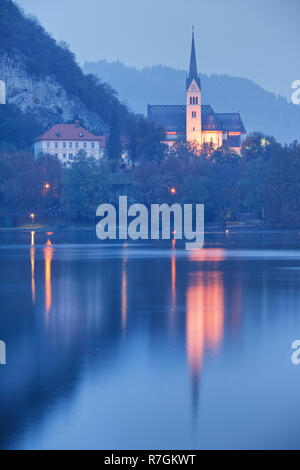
[256, 39]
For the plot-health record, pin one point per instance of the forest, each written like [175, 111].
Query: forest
[264, 181]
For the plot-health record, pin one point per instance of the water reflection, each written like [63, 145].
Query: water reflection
[48, 255]
[83, 372]
[124, 291]
[32, 263]
[173, 283]
[204, 313]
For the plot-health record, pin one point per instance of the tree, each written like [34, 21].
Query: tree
[114, 146]
[86, 184]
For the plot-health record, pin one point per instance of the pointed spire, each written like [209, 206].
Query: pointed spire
[193, 73]
[193, 63]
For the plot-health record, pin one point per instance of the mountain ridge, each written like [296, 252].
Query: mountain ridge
[151, 85]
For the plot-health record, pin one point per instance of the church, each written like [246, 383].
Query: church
[197, 123]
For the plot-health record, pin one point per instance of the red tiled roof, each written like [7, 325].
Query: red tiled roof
[73, 131]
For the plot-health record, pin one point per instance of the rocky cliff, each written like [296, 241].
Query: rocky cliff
[44, 98]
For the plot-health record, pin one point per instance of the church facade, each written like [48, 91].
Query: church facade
[197, 123]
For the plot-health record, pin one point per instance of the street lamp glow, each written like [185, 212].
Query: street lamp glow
[173, 190]
[32, 216]
[47, 186]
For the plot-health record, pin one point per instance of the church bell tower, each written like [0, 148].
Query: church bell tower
[193, 101]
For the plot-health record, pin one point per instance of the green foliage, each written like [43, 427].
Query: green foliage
[86, 184]
[17, 129]
[264, 179]
[114, 146]
[22, 186]
[144, 140]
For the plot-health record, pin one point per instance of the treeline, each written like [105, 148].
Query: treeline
[264, 180]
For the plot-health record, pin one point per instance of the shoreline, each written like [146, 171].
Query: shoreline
[90, 228]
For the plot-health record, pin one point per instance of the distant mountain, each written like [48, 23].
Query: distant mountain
[260, 110]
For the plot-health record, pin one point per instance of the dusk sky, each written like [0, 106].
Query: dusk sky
[256, 39]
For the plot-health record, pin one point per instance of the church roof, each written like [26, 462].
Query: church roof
[173, 119]
[193, 72]
[231, 122]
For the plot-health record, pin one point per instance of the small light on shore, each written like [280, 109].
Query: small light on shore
[32, 216]
[47, 186]
[173, 190]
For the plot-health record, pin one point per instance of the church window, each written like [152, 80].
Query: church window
[194, 114]
[191, 100]
[196, 99]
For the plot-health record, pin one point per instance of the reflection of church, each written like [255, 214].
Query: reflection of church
[196, 122]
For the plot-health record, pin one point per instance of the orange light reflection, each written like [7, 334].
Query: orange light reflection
[205, 311]
[48, 255]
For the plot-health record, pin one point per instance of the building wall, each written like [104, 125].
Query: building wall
[216, 137]
[193, 114]
[67, 150]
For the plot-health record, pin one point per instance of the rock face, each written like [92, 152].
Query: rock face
[44, 98]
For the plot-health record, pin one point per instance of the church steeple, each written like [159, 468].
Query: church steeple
[193, 101]
[193, 73]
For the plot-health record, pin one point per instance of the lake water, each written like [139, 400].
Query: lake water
[148, 346]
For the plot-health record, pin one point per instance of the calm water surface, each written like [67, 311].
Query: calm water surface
[145, 345]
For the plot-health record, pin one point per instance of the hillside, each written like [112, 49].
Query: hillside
[261, 110]
[43, 78]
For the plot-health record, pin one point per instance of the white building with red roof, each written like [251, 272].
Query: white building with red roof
[66, 140]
